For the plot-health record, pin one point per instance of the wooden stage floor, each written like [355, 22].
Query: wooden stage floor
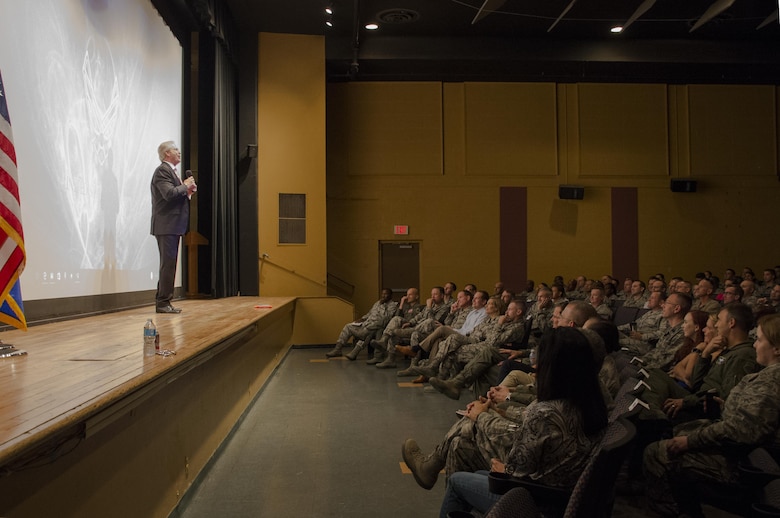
[75, 370]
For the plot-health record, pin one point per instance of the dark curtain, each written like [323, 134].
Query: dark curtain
[217, 149]
[224, 246]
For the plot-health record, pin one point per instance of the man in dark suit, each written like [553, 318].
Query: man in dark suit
[170, 215]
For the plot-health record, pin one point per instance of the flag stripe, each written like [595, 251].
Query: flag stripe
[12, 253]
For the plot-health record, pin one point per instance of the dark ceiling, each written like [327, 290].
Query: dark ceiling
[561, 40]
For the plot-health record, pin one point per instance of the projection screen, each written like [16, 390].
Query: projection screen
[92, 86]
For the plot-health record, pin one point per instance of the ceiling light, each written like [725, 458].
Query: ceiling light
[372, 26]
[616, 30]
[329, 23]
[329, 10]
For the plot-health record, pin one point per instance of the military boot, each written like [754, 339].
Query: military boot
[336, 351]
[352, 355]
[424, 468]
[389, 362]
[379, 353]
[450, 388]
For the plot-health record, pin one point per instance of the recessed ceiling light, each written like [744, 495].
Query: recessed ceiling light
[372, 26]
[329, 23]
[616, 30]
[328, 10]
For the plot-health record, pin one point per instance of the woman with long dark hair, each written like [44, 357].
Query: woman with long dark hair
[559, 429]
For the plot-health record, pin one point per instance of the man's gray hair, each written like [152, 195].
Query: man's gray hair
[163, 149]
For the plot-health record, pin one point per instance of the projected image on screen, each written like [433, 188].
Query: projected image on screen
[92, 86]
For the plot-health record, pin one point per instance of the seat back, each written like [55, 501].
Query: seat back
[594, 493]
[624, 315]
[623, 399]
[516, 502]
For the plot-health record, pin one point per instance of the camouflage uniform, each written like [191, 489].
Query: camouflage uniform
[662, 355]
[604, 311]
[456, 320]
[373, 321]
[443, 331]
[751, 417]
[712, 306]
[455, 341]
[550, 446]
[637, 302]
[469, 445]
[540, 319]
[480, 356]
[650, 326]
[424, 322]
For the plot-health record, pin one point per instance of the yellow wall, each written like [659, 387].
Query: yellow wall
[434, 156]
[319, 320]
[291, 159]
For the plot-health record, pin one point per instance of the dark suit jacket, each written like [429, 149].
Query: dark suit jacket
[170, 205]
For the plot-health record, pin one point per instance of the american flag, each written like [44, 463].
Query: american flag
[12, 254]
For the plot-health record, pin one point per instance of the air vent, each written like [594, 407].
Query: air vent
[398, 16]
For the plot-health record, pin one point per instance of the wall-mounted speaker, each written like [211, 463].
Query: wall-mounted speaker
[679, 185]
[571, 192]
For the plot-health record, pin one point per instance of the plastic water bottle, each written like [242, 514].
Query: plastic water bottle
[150, 338]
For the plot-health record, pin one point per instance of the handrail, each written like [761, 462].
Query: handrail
[266, 259]
[340, 285]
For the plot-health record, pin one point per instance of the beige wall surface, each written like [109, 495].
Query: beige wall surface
[291, 160]
[540, 136]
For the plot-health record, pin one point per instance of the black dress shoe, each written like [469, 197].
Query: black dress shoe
[168, 309]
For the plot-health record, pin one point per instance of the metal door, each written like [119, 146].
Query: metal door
[399, 266]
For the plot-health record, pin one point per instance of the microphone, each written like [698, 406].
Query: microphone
[188, 174]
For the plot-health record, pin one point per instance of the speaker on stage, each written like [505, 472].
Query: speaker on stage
[571, 192]
[679, 185]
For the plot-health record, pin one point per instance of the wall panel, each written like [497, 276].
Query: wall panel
[393, 129]
[732, 130]
[511, 129]
[622, 130]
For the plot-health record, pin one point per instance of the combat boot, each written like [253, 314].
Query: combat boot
[450, 388]
[352, 355]
[379, 353]
[389, 362]
[336, 351]
[424, 468]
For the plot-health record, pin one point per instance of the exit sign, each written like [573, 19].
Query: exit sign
[401, 230]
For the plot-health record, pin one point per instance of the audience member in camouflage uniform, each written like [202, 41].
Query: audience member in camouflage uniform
[477, 358]
[648, 327]
[638, 295]
[703, 297]
[702, 451]
[408, 308]
[674, 309]
[473, 318]
[597, 301]
[539, 317]
[365, 328]
[769, 282]
[401, 328]
[749, 292]
[453, 341]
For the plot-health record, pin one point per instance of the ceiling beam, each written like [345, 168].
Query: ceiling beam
[488, 6]
[715, 9]
[566, 10]
[642, 9]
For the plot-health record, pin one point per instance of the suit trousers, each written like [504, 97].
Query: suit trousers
[168, 245]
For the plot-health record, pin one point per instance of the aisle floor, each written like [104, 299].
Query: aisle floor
[323, 439]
